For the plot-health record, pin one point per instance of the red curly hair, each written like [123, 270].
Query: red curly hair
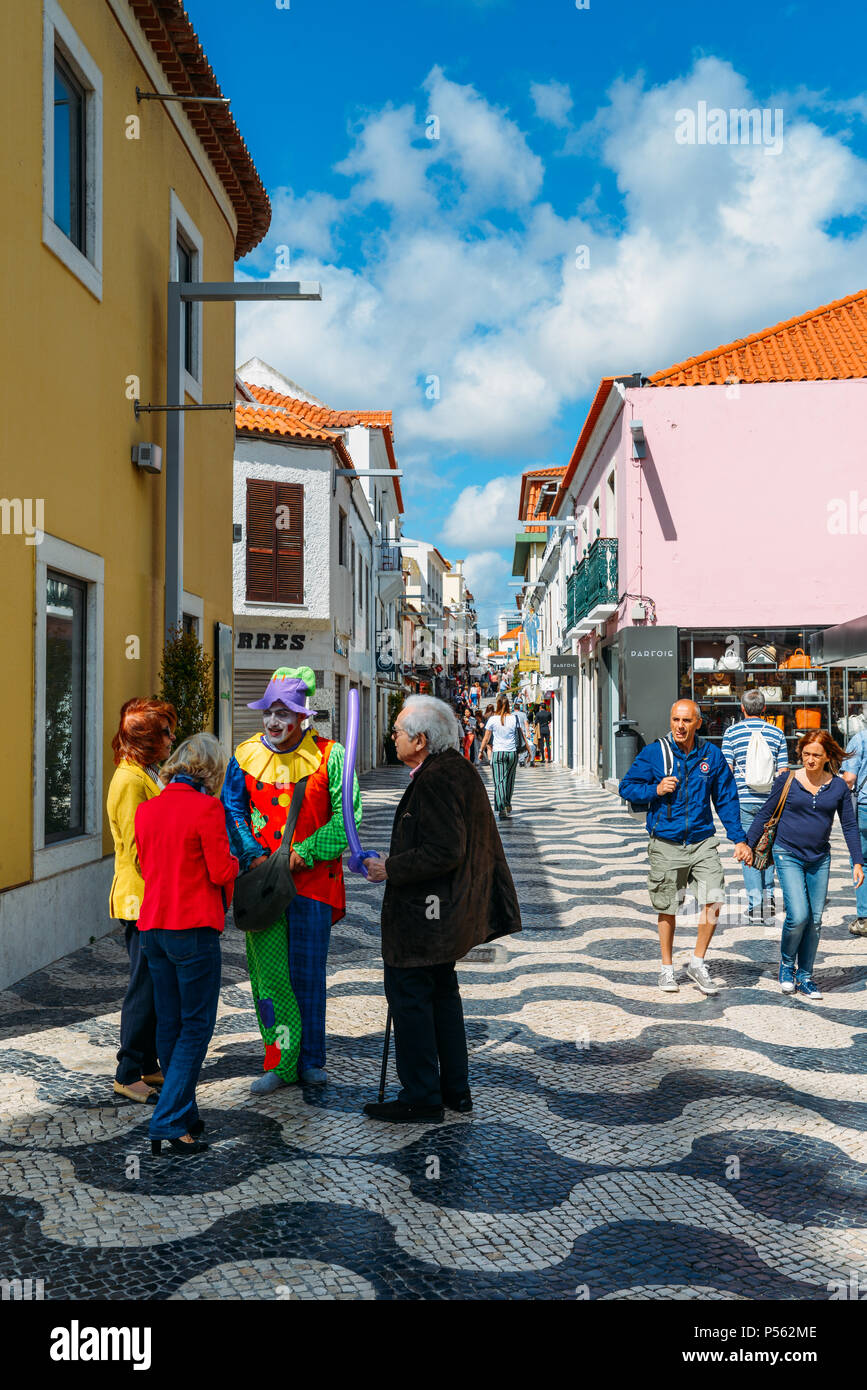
[139, 734]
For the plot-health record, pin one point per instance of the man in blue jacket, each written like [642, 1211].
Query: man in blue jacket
[683, 850]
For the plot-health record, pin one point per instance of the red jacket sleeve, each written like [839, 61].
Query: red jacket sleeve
[221, 863]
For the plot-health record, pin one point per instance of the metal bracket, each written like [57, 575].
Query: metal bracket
[140, 409]
[141, 96]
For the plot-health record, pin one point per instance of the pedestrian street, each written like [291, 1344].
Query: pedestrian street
[624, 1143]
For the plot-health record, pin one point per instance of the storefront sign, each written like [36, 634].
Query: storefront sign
[270, 641]
[528, 663]
[564, 665]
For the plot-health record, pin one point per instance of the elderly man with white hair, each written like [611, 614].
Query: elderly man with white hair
[677, 780]
[448, 888]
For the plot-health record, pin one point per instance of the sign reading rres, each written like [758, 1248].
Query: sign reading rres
[270, 641]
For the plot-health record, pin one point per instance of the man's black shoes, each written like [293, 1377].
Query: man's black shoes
[462, 1103]
[395, 1112]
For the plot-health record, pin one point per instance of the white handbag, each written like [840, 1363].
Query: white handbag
[704, 663]
[773, 694]
[730, 661]
[719, 692]
[810, 688]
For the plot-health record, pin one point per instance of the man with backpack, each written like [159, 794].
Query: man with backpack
[755, 751]
[855, 775]
[675, 780]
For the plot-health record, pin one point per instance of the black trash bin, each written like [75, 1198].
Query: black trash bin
[626, 746]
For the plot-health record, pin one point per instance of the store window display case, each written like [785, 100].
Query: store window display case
[716, 668]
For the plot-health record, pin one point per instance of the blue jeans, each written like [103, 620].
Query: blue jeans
[805, 888]
[861, 893]
[185, 968]
[756, 881]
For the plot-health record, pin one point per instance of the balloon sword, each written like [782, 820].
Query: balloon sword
[357, 855]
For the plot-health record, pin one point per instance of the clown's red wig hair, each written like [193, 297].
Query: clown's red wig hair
[140, 732]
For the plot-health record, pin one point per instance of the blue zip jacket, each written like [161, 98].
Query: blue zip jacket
[685, 815]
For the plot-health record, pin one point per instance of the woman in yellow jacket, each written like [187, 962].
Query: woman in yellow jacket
[143, 741]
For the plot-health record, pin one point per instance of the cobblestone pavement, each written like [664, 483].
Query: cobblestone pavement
[624, 1143]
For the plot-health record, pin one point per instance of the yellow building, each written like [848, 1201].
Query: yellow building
[105, 200]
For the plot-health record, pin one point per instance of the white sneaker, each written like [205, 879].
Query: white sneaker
[699, 976]
[667, 981]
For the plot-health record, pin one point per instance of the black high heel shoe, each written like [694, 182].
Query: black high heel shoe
[196, 1128]
[178, 1146]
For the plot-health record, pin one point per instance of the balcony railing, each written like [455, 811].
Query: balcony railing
[591, 589]
[389, 557]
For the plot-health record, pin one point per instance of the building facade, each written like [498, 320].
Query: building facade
[111, 200]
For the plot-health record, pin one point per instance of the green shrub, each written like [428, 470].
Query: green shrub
[186, 681]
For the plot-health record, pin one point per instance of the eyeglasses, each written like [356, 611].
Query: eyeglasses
[399, 729]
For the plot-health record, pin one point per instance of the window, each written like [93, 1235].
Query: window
[275, 542]
[67, 714]
[611, 505]
[71, 150]
[341, 536]
[63, 768]
[69, 153]
[186, 266]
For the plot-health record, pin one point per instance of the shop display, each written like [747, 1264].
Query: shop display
[798, 659]
[808, 719]
[762, 656]
[810, 688]
[773, 694]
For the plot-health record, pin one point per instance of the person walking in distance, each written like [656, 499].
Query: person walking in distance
[502, 730]
[756, 753]
[677, 781]
[855, 777]
[447, 889]
[811, 796]
[542, 722]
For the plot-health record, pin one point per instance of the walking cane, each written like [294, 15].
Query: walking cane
[385, 1057]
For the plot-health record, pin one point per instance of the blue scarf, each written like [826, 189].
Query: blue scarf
[189, 781]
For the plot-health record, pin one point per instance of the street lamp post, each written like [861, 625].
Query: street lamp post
[179, 293]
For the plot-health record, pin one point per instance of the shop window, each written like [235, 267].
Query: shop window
[67, 724]
[186, 247]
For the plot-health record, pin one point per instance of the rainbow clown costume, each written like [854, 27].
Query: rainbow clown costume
[287, 961]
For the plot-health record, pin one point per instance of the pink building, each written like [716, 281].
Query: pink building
[721, 507]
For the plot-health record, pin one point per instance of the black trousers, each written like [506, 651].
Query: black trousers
[430, 1045]
[138, 1020]
[543, 742]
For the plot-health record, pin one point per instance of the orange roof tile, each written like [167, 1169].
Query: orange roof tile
[168, 29]
[513, 632]
[825, 344]
[260, 419]
[324, 417]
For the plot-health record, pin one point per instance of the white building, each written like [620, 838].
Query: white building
[309, 582]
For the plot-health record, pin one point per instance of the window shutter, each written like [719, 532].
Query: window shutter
[260, 541]
[290, 542]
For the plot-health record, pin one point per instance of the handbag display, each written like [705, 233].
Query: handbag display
[764, 851]
[730, 661]
[808, 719]
[762, 656]
[704, 663]
[719, 692]
[264, 893]
[773, 694]
[798, 659]
[807, 688]
[778, 720]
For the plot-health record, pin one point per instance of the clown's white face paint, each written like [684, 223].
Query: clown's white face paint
[281, 725]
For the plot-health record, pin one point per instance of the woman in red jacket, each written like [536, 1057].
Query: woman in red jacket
[189, 873]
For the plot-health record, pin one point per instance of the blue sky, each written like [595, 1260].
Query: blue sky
[453, 294]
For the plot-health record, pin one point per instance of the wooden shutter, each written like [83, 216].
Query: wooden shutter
[289, 542]
[260, 541]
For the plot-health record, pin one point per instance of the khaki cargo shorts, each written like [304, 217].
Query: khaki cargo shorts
[673, 868]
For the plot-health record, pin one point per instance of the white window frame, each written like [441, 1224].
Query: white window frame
[58, 34]
[181, 224]
[192, 606]
[84, 565]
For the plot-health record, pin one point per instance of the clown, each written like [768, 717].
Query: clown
[287, 961]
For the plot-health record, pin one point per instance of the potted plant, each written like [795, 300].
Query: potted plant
[186, 682]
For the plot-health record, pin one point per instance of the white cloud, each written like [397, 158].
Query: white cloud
[552, 100]
[709, 243]
[487, 575]
[490, 510]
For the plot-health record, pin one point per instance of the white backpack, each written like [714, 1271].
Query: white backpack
[760, 764]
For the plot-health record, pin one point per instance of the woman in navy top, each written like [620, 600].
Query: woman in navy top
[802, 851]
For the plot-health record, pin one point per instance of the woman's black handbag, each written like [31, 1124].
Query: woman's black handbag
[264, 893]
